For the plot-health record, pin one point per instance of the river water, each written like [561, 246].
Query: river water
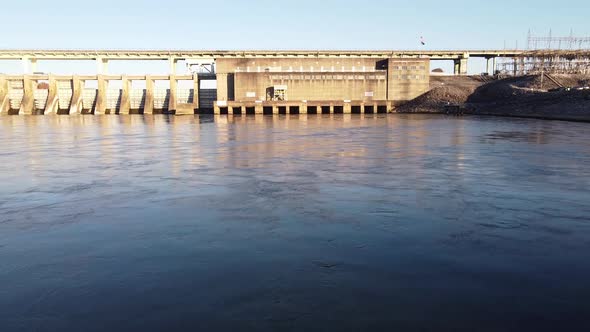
[293, 223]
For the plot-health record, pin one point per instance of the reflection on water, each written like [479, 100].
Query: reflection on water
[329, 222]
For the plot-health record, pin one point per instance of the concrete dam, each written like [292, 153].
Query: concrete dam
[247, 82]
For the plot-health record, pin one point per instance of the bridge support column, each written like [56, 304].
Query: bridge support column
[461, 66]
[172, 96]
[515, 69]
[102, 66]
[521, 69]
[125, 101]
[29, 65]
[148, 104]
[33, 63]
[28, 103]
[491, 65]
[77, 92]
[494, 65]
[101, 96]
[172, 63]
[52, 97]
[4, 100]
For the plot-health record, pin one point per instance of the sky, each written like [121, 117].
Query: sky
[300, 24]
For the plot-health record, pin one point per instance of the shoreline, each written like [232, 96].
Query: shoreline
[518, 97]
[503, 115]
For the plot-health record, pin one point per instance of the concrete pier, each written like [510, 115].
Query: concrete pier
[4, 98]
[172, 103]
[77, 89]
[196, 88]
[28, 101]
[101, 95]
[148, 107]
[125, 105]
[51, 106]
[21, 90]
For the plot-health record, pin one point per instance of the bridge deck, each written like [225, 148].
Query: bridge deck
[187, 54]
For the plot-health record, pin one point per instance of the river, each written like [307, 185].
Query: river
[294, 223]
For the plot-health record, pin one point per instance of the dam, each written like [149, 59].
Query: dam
[247, 82]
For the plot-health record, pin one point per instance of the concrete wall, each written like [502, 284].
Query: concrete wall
[313, 85]
[323, 79]
[226, 66]
[407, 78]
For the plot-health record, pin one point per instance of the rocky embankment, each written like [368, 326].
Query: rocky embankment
[526, 96]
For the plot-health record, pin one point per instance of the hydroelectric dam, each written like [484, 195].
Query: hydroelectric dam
[247, 82]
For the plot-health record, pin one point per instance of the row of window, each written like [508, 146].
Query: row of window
[302, 69]
[409, 77]
[409, 67]
[322, 69]
[327, 77]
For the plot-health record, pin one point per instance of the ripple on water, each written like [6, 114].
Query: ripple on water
[362, 222]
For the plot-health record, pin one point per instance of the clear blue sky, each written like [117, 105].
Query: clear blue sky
[299, 24]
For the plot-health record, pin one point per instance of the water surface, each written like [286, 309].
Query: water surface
[293, 223]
